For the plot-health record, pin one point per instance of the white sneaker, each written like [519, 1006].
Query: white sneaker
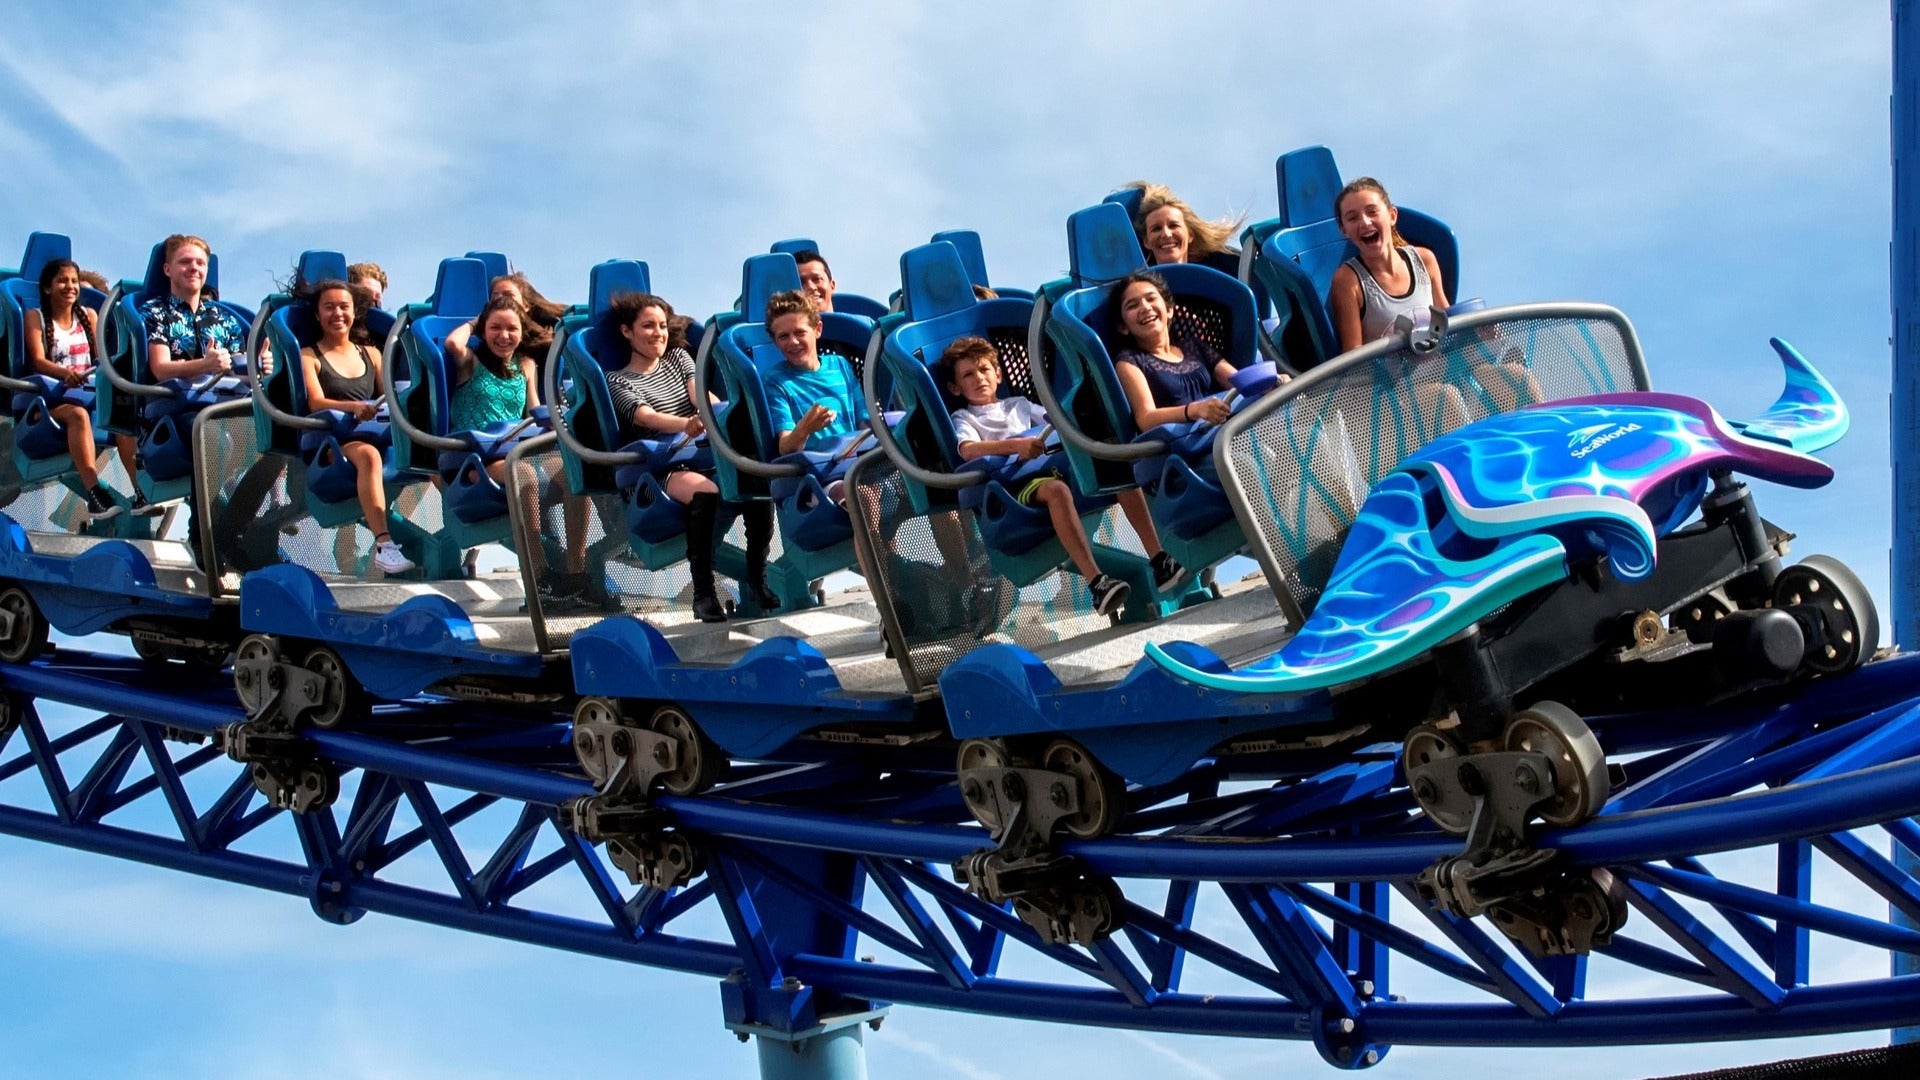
[390, 559]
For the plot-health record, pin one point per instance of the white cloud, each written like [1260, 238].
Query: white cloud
[960, 1064]
[1181, 1063]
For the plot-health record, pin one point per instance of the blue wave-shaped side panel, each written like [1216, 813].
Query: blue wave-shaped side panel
[394, 654]
[778, 690]
[86, 593]
[1149, 727]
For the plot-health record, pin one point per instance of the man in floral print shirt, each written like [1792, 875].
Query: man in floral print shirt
[187, 335]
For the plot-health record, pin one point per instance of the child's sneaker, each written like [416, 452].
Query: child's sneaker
[390, 559]
[101, 504]
[141, 507]
[1109, 593]
[1167, 571]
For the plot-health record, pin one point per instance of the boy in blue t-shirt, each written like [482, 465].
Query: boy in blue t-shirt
[815, 399]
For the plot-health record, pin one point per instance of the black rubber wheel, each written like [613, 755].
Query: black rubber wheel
[702, 762]
[1844, 606]
[1103, 797]
[28, 637]
[1580, 781]
[343, 700]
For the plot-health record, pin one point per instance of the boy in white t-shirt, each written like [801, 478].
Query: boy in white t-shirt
[990, 425]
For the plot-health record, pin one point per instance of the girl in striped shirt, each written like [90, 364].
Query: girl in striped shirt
[653, 399]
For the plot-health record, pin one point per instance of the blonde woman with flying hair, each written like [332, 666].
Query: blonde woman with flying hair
[1171, 232]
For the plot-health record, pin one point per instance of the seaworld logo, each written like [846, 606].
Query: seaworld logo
[1588, 439]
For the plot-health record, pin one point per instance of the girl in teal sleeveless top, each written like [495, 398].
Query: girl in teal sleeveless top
[489, 390]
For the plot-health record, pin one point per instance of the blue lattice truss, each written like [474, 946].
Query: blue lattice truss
[1277, 910]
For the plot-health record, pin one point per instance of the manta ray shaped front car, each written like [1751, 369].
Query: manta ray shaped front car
[1502, 507]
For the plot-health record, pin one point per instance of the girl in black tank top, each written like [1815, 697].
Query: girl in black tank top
[335, 306]
[363, 387]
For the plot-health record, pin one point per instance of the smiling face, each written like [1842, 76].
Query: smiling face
[1167, 237]
[502, 332]
[647, 334]
[817, 283]
[977, 379]
[333, 309]
[1143, 314]
[1367, 220]
[798, 338]
[186, 270]
[64, 290]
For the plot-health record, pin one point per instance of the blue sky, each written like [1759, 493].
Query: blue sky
[1718, 171]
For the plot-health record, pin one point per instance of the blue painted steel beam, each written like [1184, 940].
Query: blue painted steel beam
[947, 944]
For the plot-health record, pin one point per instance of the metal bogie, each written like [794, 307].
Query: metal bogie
[641, 839]
[284, 767]
[1095, 799]
[629, 759]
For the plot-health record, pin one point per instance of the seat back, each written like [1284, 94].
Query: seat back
[316, 266]
[459, 292]
[428, 397]
[20, 292]
[42, 248]
[460, 288]
[973, 256]
[1101, 245]
[496, 264]
[1128, 199]
[613, 277]
[290, 330]
[18, 295]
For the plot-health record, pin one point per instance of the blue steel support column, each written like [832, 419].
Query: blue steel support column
[1905, 275]
[839, 1054]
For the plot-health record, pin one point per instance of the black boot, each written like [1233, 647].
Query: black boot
[700, 514]
[759, 527]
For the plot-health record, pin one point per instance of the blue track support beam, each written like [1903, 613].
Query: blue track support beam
[1905, 273]
[824, 894]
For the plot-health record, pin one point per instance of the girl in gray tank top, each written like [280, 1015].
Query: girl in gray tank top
[1378, 307]
[1387, 277]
